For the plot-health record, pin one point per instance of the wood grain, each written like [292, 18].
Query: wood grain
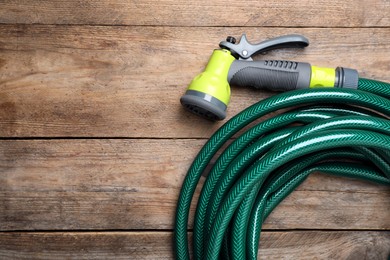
[104, 78]
[350, 245]
[306, 13]
[81, 81]
[134, 184]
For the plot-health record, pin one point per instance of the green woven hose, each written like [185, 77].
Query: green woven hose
[340, 132]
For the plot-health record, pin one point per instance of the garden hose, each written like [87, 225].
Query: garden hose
[343, 132]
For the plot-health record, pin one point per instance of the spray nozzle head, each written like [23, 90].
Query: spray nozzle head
[204, 105]
[209, 93]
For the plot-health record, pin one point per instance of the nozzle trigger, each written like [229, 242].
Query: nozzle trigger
[245, 50]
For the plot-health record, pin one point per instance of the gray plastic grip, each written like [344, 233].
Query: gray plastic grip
[276, 75]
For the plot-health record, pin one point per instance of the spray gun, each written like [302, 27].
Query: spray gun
[209, 93]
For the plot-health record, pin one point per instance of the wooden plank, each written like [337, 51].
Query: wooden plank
[134, 184]
[99, 210]
[306, 13]
[157, 245]
[126, 81]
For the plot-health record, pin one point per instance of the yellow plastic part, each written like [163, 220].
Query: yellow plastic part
[322, 77]
[213, 80]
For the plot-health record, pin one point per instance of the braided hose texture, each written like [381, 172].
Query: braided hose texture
[340, 132]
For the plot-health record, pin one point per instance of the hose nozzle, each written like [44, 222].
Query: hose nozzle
[209, 93]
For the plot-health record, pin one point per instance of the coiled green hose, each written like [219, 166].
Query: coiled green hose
[268, 161]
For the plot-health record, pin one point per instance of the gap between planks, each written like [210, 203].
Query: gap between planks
[150, 245]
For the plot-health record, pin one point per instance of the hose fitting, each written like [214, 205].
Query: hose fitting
[346, 78]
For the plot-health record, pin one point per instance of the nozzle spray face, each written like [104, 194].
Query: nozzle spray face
[204, 105]
[209, 93]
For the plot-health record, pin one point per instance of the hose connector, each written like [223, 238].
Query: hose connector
[346, 78]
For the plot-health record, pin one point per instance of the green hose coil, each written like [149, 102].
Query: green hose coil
[323, 129]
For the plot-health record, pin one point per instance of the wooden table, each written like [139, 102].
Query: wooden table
[95, 145]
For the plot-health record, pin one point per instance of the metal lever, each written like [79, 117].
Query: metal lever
[245, 50]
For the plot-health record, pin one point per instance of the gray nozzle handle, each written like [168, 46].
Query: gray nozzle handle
[276, 75]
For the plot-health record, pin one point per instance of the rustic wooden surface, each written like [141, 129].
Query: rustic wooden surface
[324, 13]
[94, 144]
[156, 245]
